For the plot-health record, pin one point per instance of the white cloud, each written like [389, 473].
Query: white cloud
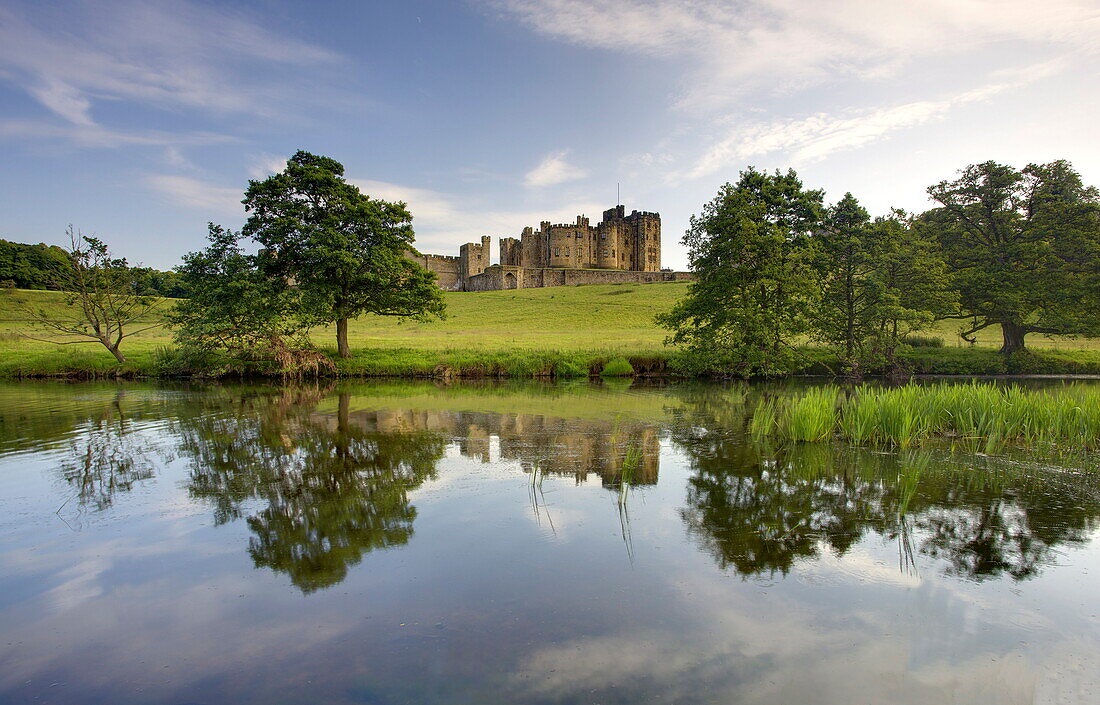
[163, 54]
[64, 100]
[817, 136]
[264, 165]
[552, 170]
[195, 193]
[785, 44]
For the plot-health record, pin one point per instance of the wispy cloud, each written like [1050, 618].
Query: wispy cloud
[739, 46]
[102, 137]
[179, 54]
[195, 193]
[817, 136]
[552, 170]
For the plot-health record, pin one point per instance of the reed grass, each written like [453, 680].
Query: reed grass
[980, 417]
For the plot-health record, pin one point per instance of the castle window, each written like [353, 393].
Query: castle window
[567, 252]
[557, 252]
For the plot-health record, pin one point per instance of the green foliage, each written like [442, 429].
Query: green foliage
[49, 267]
[617, 367]
[33, 266]
[810, 417]
[1023, 248]
[980, 416]
[921, 341]
[569, 368]
[341, 252]
[235, 311]
[754, 287]
[847, 256]
[878, 281]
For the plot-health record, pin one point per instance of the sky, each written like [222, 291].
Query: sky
[142, 121]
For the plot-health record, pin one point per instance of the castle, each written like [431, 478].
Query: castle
[620, 249]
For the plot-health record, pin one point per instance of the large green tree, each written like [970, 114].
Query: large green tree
[1023, 247]
[879, 281]
[343, 251]
[754, 288]
[912, 283]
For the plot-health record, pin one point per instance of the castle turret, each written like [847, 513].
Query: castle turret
[473, 259]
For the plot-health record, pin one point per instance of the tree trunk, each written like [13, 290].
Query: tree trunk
[1013, 337]
[342, 348]
[116, 352]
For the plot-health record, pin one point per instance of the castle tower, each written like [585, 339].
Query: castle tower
[473, 259]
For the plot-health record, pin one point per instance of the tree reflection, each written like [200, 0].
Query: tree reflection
[759, 509]
[328, 490]
[107, 456]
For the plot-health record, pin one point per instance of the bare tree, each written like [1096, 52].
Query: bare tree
[102, 300]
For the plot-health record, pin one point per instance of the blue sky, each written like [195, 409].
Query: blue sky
[141, 121]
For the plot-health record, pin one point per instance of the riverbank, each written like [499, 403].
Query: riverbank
[163, 362]
[532, 333]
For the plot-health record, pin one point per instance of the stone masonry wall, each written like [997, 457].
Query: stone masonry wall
[498, 277]
[446, 269]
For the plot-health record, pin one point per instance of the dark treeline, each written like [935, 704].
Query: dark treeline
[1012, 248]
[48, 267]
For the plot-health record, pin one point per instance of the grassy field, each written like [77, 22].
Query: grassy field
[517, 333]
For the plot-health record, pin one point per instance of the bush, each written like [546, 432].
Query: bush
[922, 341]
[618, 367]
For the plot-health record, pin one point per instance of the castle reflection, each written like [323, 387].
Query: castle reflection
[578, 448]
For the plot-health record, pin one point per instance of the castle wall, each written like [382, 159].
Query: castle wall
[498, 277]
[446, 269]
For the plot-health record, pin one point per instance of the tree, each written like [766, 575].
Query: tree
[1023, 247]
[102, 300]
[753, 287]
[236, 309]
[879, 282]
[912, 282]
[846, 259]
[344, 252]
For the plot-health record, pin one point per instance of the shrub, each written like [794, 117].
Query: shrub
[922, 341]
[618, 367]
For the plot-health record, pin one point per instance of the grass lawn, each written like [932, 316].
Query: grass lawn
[508, 330]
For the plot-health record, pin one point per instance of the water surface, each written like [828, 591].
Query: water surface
[415, 543]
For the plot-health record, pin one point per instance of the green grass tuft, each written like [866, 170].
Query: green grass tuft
[617, 367]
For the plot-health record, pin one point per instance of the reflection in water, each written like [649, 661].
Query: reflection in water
[759, 509]
[500, 595]
[107, 457]
[331, 491]
[332, 482]
[556, 446]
